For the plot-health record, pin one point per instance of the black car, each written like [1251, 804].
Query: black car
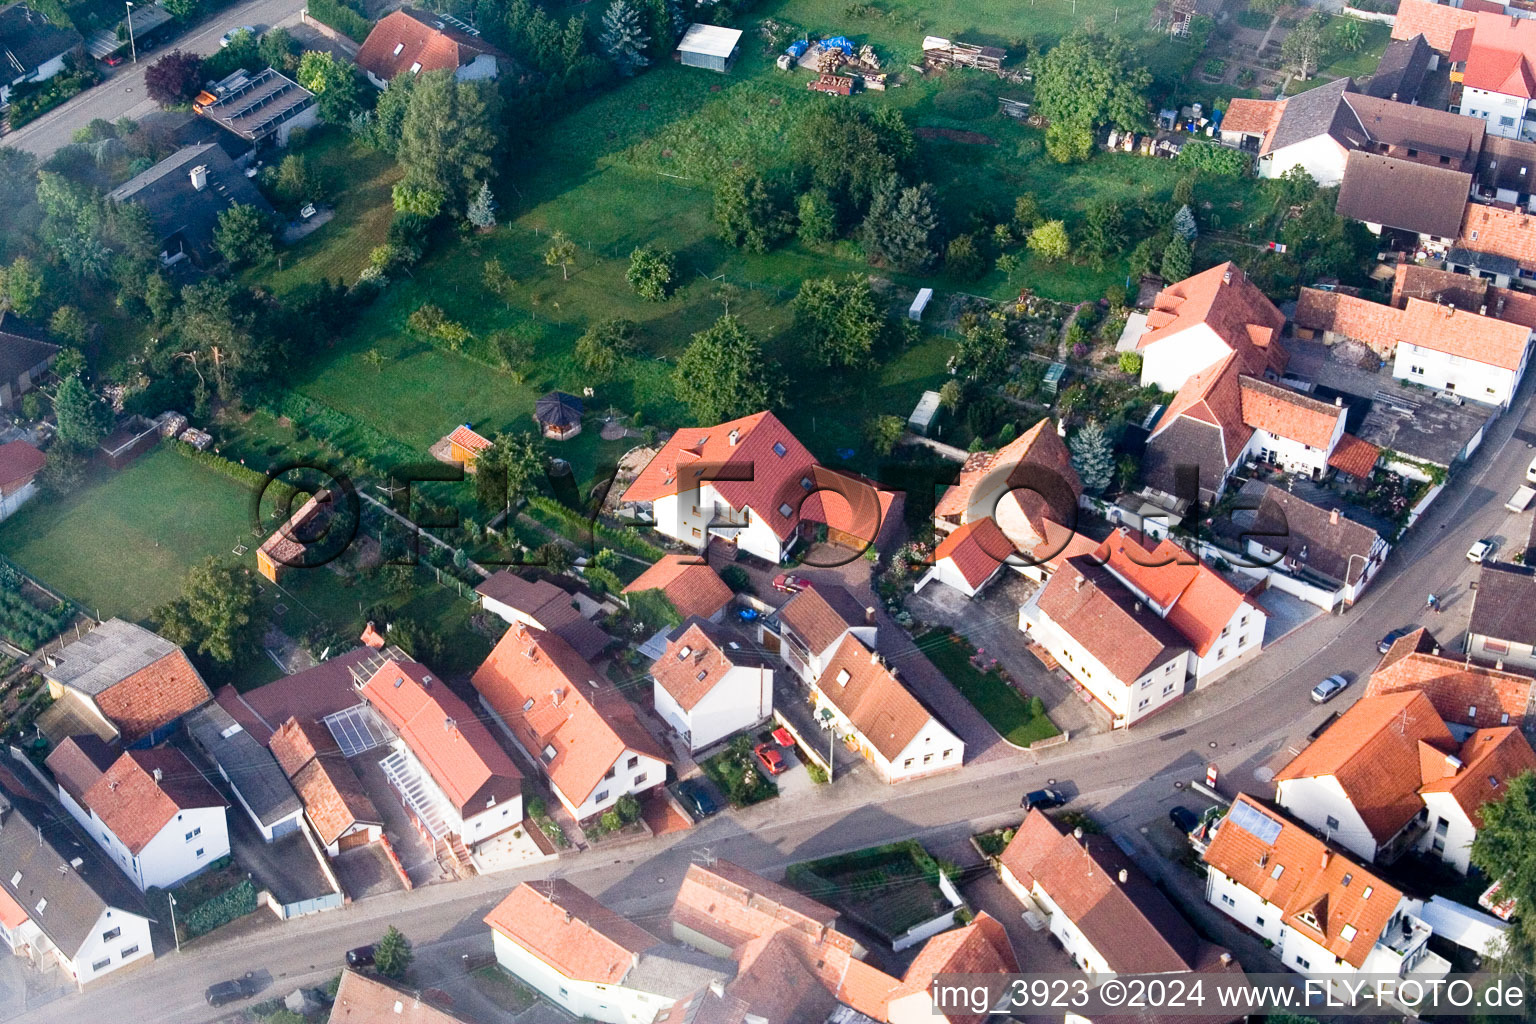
[231, 991]
[699, 800]
[362, 956]
[1184, 819]
[1386, 642]
[1044, 799]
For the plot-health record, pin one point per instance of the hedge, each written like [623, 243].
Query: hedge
[341, 18]
[281, 492]
[343, 432]
[222, 909]
[577, 527]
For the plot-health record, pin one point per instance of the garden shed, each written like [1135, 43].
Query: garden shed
[559, 415]
[923, 416]
[709, 46]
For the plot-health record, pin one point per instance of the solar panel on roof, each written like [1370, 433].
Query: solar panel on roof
[1256, 823]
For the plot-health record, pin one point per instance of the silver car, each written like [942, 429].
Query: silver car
[1328, 689]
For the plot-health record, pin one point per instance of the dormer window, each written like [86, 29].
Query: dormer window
[1309, 919]
[42, 904]
[548, 753]
[16, 878]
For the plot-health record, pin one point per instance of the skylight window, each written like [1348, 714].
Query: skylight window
[528, 704]
[415, 67]
[684, 652]
[1347, 879]
[779, 449]
[701, 675]
[1493, 781]
[805, 482]
[1279, 870]
[785, 510]
[16, 878]
[42, 904]
[1368, 890]
[1348, 933]
[398, 48]
[843, 677]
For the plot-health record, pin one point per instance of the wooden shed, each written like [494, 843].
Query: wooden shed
[464, 445]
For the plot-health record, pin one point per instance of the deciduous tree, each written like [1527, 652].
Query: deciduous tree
[1086, 81]
[334, 83]
[1504, 852]
[83, 418]
[215, 614]
[725, 373]
[839, 319]
[1049, 241]
[750, 214]
[883, 433]
[561, 253]
[174, 79]
[604, 345]
[652, 272]
[244, 235]
[21, 285]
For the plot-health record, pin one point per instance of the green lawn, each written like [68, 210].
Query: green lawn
[1003, 706]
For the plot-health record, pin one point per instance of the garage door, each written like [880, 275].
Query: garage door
[353, 840]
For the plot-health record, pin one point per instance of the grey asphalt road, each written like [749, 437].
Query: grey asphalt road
[123, 95]
[1245, 722]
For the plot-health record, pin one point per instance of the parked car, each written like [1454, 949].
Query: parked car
[1530, 472]
[112, 60]
[362, 956]
[229, 37]
[224, 992]
[789, 583]
[782, 737]
[1184, 819]
[1521, 500]
[1328, 689]
[1481, 551]
[698, 799]
[1044, 799]
[770, 758]
[1385, 643]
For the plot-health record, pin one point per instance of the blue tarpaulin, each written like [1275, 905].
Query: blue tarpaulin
[797, 48]
[838, 43]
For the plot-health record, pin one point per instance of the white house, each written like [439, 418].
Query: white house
[35, 49]
[60, 904]
[1027, 488]
[150, 810]
[1474, 357]
[591, 962]
[859, 696]
[580, 732]
[1199, 321]
[1326, 916]
[1319, 554]
[970, 557]
[711, 682]
[812, 625]
[413, 42]
[20, 462]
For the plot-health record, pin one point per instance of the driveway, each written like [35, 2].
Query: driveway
[415, 853]
[366, 871]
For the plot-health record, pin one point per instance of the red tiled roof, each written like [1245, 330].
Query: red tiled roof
[1453, 686]
[444, 733]
[153, 696]
[1225, 300]
[1354, 456]
[1109, 622]
[587, 722]
[1373, 753]
[882, 710]
[1489, 759]
[333, 795]
[467, 439]
[689, 583]
[1289, 414]
[1465, 334]
[820, 615]
[694, 663]
[406, 37]
[361, 999]
[1500, 56]
[19, 463]
[570, 931]
[1214, 396]
[1370, 323]
[749, 473]
[1198, 601]
[981, 947]
[847, 503]
[1251, 117]
[1437, 23]
[1130, 923]
[978, 549]
[1501, 232]
[1301, 875]
[1032, 462]
[135, 805]
[775, 981]
[731, 905]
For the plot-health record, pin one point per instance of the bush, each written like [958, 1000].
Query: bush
[1130, 362]
[341, 18]
[737, 579]
[220, 910]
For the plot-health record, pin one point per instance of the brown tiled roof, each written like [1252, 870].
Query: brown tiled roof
[1437, 23]
[1301, 875]
[19, 463]
[775, 981]
[860, 686]
[549, 607]
[1354, 456]
[1465, 334]
[1504, 603]
[981, 947]
[1403, 194]
[587, 721]
[1453, 686]
[1309, 536]
[821, 614]
[297, 741]
[1501, 232]
[1287, 413]
[1213, 397]
[570, 931]
[1224, 299]
[406, 37]
[78, 762]
[153, 696]
[978, 548]
[309, 695]
[334, 797]
[1489, 759]
[1200, 603]
[1373, 752]
[1127, 637]
[363, 999]
[689, 583]
[135, 805]
[1411, 132]
[287, 543]
[1410, 280]
[731, 905]
[698, 655]
[1370, 323]
[1030, 460]
[1130, 923]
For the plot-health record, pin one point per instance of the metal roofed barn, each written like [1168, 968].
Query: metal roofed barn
[709, 46]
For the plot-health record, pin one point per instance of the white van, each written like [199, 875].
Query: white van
[1530, 472]
[1522, 499]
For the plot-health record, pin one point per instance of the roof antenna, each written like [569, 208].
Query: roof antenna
[704, 855]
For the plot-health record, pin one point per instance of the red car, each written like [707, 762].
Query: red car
[789, 583]
[782, 737]
[769, 758]
[112, 60]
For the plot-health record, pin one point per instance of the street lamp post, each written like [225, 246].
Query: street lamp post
[134, 48]
[174, 933]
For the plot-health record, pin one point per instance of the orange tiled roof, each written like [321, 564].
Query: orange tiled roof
[406, 37]
[1198, 601]
[732, 905]
[1465, 334]
[296, 743]
[1500, 56]
[1365, 321]
[361, 999]
[154, 696]
[1036, 459]
[848, 503]
[981, 947]
[861, 687]
[1518, 307]
[748, 473]
[1317, 890]
[1373, 751]
[1489, 759]
[1462, 693]
[689, 583]
[1502, 232]
[1226, 301]
[1214, 396]
[467, 439]
[551, 697]
[135, 804]
[700, 657]
[570, 931]
[866, 988]
[1437, 23]
[978, 548]
[1354, 456]
[1289, 414]
[1251, 117]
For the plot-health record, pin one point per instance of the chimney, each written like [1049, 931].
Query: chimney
[1138, 607]
[567, 917]
[869, 615]
[717, 987]
[1327, 856]
[1226, 959]
[1483, 310]
[1338, 401]
[1226, 278]
[874, 657]
[1333, 517]
[449, 724]
[1077, 833]
[1436, 651]
[1498, 665]
[199, 177]
[1077, 584]
[1450, 308]
[555, 696]
[735, 437]
[1124, 876]
[156, 773]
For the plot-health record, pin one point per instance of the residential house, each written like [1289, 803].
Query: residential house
[459, 785]
[339, 809]
[127, 681]
[591, 962]
[860, 698]
[541, 605]
[1504, 172]
[1418, 205]
[811, 627]
[688, 582]
[721, 905]
[1502, 631]
[258, 106]
[1029, 490]
[24, 360]
[751, 485]
[1497, 243]
[1495, 66]
[34, 49]
[711, 682]
[1447, 288]
[1446, 29]
[1402, 70]
[369, 999]
[1198, 322]
[61, 905]
[184, 194]
[1325, 916]
[1107, 914]
[970, 557]
[1318, 554]
[20, 462]
[258, 782]
[980, 947]
[1465, 695]
[1371, 781]
[150, 810]
[581, 733]
[1317, 130]
[410, 41]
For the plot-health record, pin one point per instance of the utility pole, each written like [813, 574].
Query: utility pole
[174, 933]
[132, 46]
